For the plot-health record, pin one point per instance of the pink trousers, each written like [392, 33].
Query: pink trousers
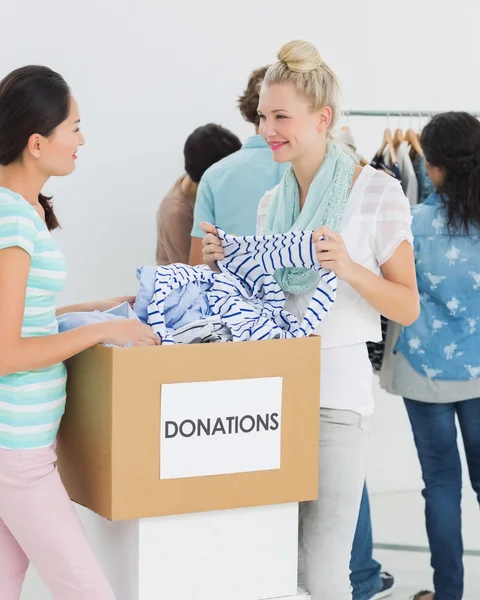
[38, 523]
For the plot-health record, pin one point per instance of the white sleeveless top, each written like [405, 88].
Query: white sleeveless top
[376, 221]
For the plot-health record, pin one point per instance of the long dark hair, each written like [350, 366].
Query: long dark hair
[452, 140]
[33, 99]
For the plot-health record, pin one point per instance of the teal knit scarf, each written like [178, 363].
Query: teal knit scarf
[325, 204]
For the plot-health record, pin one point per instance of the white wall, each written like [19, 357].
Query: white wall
[146, 73]
[146, 76]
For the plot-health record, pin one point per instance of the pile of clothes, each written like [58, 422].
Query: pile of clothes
[242, 302]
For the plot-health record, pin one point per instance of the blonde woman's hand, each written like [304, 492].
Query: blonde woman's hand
[212, 246]
[333, 254]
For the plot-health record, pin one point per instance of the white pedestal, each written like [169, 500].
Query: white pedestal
[242, 554]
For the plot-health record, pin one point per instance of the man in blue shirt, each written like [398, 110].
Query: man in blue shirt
[230, 190]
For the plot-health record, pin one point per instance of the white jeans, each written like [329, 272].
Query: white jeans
[327, 525]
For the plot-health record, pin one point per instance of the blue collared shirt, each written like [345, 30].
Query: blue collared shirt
[444, 342]
[231, 189]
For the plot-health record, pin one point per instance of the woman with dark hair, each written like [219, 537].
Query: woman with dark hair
[437, 367]
[39, 138]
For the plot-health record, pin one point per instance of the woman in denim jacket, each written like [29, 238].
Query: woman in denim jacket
[438, 357]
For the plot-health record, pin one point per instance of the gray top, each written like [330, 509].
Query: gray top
[399, 377]
[413, 385]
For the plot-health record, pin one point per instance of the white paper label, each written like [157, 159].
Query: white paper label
[220, 427]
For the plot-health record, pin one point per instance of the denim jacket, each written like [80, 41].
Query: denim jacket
[444, 342]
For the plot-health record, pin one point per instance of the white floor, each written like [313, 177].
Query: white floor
[398, 522]
[412, 573]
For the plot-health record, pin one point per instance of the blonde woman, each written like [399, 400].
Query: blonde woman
[364, 218]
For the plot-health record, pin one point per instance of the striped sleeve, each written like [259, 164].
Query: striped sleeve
[17, 227]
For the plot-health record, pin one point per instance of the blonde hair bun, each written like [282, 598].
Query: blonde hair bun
[299, 63]
[300, 56]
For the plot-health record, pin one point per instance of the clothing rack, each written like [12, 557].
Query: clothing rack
[396, 113]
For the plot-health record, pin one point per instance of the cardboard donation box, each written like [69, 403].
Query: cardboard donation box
[190, 428]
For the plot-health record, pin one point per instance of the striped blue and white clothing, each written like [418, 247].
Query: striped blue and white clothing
[245, 295]
[32, 403]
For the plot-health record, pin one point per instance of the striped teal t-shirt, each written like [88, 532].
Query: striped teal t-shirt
[32, 403]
